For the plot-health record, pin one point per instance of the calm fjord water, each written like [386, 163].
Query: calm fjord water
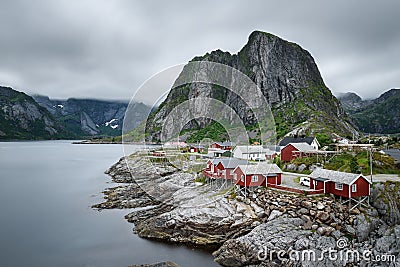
[46, 190]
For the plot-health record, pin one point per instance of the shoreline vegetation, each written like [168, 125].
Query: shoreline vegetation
[171, 207]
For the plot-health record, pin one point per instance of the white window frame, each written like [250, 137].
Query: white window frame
[254, 178]
[338, 186]
[242, 178]
[231, 172]
[354, 188]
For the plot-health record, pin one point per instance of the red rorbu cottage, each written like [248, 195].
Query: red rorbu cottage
[296, 150]
[353, 187]
[222, 145]
[222, 167]
[260, 174]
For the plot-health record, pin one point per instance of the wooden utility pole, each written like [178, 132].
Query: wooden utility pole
[370, 162]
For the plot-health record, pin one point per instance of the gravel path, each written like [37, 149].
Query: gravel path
[289, 180]
[385, 177]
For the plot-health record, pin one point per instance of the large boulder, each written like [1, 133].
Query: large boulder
[281, 233]
[386, 199]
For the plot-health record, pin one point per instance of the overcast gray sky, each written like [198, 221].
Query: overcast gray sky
[107, 49]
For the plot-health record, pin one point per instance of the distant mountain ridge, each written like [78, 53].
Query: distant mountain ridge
[22, 118]
[288, 78]
[91, 117]
[86, 116]
[380, 115]
[39, 117]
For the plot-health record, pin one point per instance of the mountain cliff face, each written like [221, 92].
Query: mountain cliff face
[288, 78]
[22, 118]
[83, 117]
[381, 115]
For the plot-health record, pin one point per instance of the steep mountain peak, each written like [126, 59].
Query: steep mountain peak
[279, 67]
[258, 36]
[287, 76]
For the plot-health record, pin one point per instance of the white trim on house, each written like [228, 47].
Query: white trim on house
[354, 188]
[338, 186]
[365, 178]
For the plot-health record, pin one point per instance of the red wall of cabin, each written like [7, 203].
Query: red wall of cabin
[237, 179]
[237, 174]
[287, 153]
[279, 178]
[215, 145]
[228, 174]
[331, 189]
[272, 180]
[319, 186]
[275, 180]
[362, 188]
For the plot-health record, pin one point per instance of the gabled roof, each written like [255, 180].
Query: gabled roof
[250, 149]
[260, 168]
[302, 147]
[227, 143]
[337, 177]
[229, 163]
[287, 140]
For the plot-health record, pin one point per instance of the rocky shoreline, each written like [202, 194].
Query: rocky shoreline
[170, 206]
